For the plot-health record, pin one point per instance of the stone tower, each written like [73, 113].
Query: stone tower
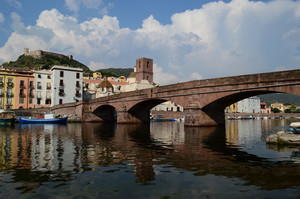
[144, 69]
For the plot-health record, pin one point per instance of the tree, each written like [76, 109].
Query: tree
[275, 110]
[287, 110]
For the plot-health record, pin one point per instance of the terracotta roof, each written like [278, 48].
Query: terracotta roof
[132, 75]
[105, 84]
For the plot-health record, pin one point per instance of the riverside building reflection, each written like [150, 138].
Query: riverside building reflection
[160, 159]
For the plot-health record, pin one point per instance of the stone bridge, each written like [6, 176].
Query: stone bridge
[204, 101]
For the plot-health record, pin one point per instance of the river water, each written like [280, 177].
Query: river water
[160, 160]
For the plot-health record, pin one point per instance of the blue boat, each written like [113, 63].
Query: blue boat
[48, 119]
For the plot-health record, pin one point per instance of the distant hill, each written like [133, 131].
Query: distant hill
[44, 62]
[116, 72]
[281, 98]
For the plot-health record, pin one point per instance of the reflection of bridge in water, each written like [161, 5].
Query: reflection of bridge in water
[204, 101]
[44, 157]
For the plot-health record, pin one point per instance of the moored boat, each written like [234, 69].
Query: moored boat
[48, 119]
[7, 117]
[295, 126]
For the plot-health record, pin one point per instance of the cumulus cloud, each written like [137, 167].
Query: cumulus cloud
[219, 39]
[2, 19]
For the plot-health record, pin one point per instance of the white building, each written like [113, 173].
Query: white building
[168, 106]
[249, 105]
[66, 84]
[42, 85]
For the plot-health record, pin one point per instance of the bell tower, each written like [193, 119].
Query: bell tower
[144, 69]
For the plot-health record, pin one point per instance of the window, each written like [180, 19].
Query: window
[147, 64]
[77, 75]
[1, 80]
[49, 77]
[39, 76]
[61, 82]
[39, 101]
[9, 92]
[48, 95]
[60, 101]
[22, 83]
[61, 73]
[31, 93]
[21, 100]
[48, 101]
[39, 96]
[39, 85]
[21, 92]
[31, 84]
[30, 100]
[8, 101]
[48, 85]
[77, 84]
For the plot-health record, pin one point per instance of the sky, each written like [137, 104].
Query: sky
[187, 40]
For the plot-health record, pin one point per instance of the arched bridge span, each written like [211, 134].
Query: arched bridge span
[204, 101]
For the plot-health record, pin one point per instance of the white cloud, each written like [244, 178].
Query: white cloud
[15, 3]
[2, 19]
[96, 65]
[196, 76]
[220, 39]
[75, 5]
[161, 77]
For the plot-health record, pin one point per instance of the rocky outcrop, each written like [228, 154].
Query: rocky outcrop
[284, 138]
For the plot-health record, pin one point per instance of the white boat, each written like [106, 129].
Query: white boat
[295, 126]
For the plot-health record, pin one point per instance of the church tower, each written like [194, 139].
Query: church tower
[144, 69]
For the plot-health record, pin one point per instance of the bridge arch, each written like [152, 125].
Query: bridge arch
[216, 108]
[106, 112]
[142, 109]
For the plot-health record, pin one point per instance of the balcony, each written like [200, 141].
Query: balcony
[39, 87]
[78, 94]
[48, 87]
[22, 86]
[31, 86]
[1, 94]
[39, 97]
[22, 95]
[31, 95]
[61, 85]
[10, 84]
[61, 93]
[9, 95]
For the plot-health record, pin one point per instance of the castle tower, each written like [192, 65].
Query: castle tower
[26, 51]
[144, 69]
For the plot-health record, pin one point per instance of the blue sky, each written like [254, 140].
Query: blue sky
[191, 39]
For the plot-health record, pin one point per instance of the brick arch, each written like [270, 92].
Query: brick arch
[142, 109]
[106, 112]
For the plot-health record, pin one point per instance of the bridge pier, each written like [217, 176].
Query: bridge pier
[124, 117]
[196, 117]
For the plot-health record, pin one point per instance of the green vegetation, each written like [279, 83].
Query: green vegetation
[275, 110]
[46, 62]
[281, 141]
[281, 98]
[116, 72]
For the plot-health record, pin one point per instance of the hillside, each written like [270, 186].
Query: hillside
[116, 72]
[281, 98]
[45, 62]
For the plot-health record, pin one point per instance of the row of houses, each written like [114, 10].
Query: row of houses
[22, 89]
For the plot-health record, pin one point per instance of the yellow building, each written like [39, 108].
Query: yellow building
[280, 106]
[7, 89]
[97, 75]
[232, 108]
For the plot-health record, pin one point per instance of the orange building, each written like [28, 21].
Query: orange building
[24, 90]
